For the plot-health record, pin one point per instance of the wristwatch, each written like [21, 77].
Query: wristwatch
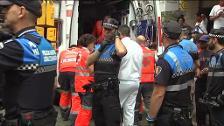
[117, 36]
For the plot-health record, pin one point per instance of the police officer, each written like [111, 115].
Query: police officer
[29, 63]
[170, 101]
[214, 95]
[106, 104]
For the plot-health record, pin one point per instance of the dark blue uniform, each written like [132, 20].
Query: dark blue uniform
[175, 71]
[106, 104]
[29, 64]
[215, 88]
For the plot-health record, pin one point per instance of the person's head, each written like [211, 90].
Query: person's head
[185, 33]
[221, 3]
[203, 42]
[109, 26]
[216, 40]
[87, 40]
[181, 20]
[19, 14]
[141, 40]
[171, 32]
[124, 31]
[199, 17]
[153, 45]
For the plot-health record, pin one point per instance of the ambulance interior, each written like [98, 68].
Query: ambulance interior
[91, 11]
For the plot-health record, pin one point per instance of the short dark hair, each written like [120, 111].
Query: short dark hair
[86, 39]
[124, 30]
[219, 34]
[181, 17]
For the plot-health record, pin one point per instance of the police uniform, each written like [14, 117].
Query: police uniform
[175, 70]
[215, 89]
[29, 64]
[106, 104]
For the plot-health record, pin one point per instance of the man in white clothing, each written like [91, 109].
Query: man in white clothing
[217, 15]
[129, 75]
[201, 24]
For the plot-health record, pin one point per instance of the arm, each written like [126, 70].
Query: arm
[120, 48]
[162, 77]
[212, 18]
[213, 14]
[92, 58]
[157, 99]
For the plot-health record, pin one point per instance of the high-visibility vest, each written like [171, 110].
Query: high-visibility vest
[82, 72]
[69, 59]
[148, 65]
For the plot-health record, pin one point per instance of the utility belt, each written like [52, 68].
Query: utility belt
[213, 102]
[110, 83]
[178, 112]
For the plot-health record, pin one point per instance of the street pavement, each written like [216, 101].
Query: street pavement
[60, 122]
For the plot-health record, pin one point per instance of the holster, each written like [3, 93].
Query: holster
[211, 102]
[110, 83]
[180, 116]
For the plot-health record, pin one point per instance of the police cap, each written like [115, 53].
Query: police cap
[110, 23]
[204, 38]
[172, 29]
[217, 33]
[34, 6]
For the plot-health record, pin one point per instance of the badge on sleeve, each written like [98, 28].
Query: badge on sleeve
[158, 70]
[213, 62]
[1, 45]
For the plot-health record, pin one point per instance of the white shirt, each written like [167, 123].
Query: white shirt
[131, 63]
[219, 22]
[201, 27]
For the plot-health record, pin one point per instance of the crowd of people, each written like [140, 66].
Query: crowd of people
[112, 79]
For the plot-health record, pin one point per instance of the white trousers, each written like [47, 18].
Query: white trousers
[128, 91]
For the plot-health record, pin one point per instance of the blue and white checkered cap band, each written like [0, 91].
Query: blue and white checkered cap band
[216, 36]
[109, 25]
[28, 67]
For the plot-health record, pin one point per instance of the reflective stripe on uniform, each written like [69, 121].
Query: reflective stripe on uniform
[75, 94]
[216, 74]
[46, 69]
[178, 87]
[82, 74]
